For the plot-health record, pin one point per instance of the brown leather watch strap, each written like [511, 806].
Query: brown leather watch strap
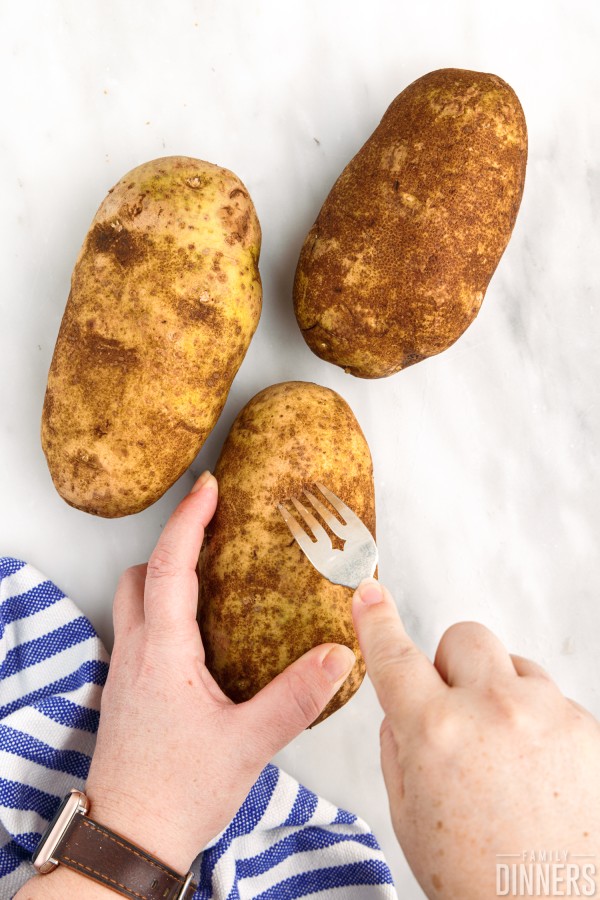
[112, 860]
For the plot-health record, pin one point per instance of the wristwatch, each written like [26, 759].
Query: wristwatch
[74, 840]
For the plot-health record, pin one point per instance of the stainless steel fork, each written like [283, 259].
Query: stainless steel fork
[358, 557]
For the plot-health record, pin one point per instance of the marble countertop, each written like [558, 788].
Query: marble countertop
[486, 456]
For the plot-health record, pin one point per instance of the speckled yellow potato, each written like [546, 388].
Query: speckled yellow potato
[165, 297]
[262, 603]
[398, 261]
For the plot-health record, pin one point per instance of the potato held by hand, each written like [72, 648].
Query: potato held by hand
[165, 297]
[397, 264]
[262, 603]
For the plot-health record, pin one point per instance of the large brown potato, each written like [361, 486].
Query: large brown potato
[262, 603]
[165, 298]
[397, 264]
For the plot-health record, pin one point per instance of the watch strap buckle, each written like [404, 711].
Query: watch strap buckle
[181, 895]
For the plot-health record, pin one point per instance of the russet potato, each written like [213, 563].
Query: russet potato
[398, 261]
[262, 603]
[165, 297]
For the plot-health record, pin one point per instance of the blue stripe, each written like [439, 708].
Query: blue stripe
[245, 820]
[11, 857]
[15, 795]
[30, 602]
[90, 672]
[303, 808]
[344, 818]
[35, 651]
[255, 804]
[234, 893]
[311, 838]
[8, 566]
[65, 712]
[70, 761]
[371, 872]
[19, 850]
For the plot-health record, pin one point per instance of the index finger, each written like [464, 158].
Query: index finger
[402, 676]
[171, 591]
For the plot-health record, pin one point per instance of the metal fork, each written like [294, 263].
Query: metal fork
[358, 558]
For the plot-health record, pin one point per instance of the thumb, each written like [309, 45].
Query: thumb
[402, 675]
[296, 697]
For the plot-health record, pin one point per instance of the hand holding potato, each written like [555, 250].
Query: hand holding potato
[481, 753]
[175, 758]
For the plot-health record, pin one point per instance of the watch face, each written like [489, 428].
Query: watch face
[74, 803]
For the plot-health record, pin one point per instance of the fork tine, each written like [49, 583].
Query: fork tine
[298, 533]
[328, 517]
[316, 528]
[348, 566]
[344, 511]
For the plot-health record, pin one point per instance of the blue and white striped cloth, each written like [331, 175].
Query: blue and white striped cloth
[284, 842]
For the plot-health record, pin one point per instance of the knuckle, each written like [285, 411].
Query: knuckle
[304, 706]
[162, 563]
[509, 707]
[440, 728]
[386, 732]
[389, 657]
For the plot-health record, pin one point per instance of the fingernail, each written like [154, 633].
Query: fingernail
[370, 591]
[204, 478]
[338, 662]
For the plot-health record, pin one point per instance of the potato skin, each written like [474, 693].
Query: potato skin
[165, 297]
[262, 603]
[398, 261]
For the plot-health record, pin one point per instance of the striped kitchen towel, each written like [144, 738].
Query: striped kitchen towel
[283, 843]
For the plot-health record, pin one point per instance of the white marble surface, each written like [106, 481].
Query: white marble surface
[486, 457]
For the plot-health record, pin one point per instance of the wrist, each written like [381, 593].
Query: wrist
[123, 851]
[159, 832]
